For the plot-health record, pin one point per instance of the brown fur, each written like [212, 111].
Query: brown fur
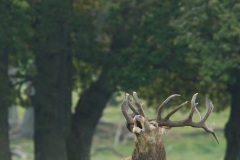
[127, 158]
[148, 143]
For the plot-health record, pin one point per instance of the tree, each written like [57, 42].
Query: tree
[5, 91]
[4, 104]
[53, 82]
[12, 46]
[210, 30]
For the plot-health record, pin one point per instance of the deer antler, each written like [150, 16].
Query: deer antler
[138, 104]
[126, 105]
[188, 121]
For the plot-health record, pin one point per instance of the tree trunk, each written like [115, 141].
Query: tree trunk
[88, 112]
[232, 130]
[4, 104]
[52, 100]
[52, 103]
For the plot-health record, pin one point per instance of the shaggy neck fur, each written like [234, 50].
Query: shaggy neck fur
[149, 146]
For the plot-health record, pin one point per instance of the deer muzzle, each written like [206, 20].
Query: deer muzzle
[138, 121]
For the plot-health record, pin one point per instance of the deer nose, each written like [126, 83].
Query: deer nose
[137, 117]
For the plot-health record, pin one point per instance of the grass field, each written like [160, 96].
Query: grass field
[180, 143]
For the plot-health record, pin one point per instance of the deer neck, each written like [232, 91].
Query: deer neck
[148, 147]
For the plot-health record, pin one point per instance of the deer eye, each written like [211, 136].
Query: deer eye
[154, 124]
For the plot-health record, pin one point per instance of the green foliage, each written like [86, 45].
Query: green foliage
[135, 44]
[14, 30]
[210, 29]
[138, 42]
[14, 33]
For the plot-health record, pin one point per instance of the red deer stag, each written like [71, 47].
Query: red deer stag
[148, 142]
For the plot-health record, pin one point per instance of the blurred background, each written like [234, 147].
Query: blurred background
[66, 65]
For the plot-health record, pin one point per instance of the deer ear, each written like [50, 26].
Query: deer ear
[164, 130]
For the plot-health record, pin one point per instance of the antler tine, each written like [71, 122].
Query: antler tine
[210, 129]
[175, 110]
[124, 108]
[214, 135]
[132, 108]
[138, 104]
[193, 104]
[209, 107]
[159, 116]
[201, 123]
[198, 113]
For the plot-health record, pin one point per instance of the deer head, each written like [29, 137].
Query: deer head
[148, 132]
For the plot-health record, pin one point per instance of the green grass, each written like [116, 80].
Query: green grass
[180, 143]
[25, 146]
[200, 147]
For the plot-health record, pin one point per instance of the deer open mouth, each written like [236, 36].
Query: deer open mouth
[138, 124]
